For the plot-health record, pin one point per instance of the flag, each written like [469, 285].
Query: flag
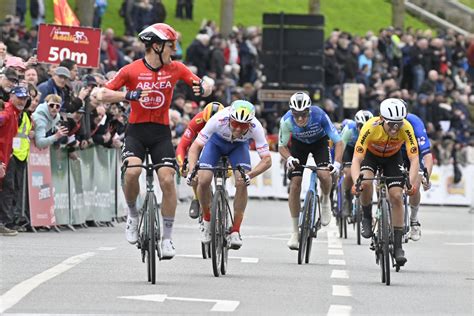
[63, 15]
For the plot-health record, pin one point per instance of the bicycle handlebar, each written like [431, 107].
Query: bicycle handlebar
[404, 178]
[316, 168]
[238, 168]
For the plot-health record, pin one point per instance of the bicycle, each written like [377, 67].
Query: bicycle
[310, 216]
[149, 230]
[221, 216]
[382, 231]
[337, 197]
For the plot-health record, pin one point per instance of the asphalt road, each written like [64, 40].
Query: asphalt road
[95, 271]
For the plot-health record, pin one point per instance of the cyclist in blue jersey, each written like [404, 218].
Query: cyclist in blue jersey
[426, 164]
[309, 129]
[349, 135]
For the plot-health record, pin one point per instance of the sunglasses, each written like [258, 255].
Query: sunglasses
[394, 124]
[302, 114]
[242, 126]
[54, 105]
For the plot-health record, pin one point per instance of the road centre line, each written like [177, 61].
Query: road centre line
[335, 252]
[242, 259]
[341, 290]
[339, 274]
[339, 310]
[19, 291]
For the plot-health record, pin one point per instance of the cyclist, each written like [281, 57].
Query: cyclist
[309, 128]
[194, 127]
[150, 82]
[426, 164]
[349, 135]
[379, 145]
[227, 134]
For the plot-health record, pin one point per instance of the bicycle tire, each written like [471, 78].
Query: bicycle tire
[226, 226]
[305, 229]
[152, 239]
[313, 222]
[386, 240]
[216, 234]
[379, 248]
[344, 225]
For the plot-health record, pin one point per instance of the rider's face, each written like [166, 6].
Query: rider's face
[168, 51]
[301, 118]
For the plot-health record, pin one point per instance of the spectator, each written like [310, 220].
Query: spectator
[31, 76]
[8, 80]
[45, 119]
[197, 53]
[100, 6]
[8, 130]
[56, 84]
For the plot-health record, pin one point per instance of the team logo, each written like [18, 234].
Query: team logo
[413, 150]
[154, 100]
[198, 120]
[359, 149]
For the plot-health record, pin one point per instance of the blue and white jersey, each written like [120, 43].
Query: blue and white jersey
[350, 133]
[424, 145]
[318, 126]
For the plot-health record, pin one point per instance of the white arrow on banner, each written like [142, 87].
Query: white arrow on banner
[219, 305]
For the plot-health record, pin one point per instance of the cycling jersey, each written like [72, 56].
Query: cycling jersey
[319, 125]
[194, 127]
[137, 75]
[424, 145]
[373, 138]
[350, 133]
[219, 125]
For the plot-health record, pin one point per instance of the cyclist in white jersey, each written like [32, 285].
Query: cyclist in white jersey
[228, 133]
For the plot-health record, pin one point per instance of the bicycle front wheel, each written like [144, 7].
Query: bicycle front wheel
[226, 227]
[151, 239]
[386, 240]
[305, 227]
[217, 233]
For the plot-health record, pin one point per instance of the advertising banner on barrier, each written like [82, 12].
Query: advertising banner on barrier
[59, 42]
[40, 188]
[60, 174]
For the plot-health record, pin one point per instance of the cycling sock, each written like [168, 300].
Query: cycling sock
[367, 211]
[206, 214]
[237, 222]
[167, 227]
[414, 213]
[295, 221]
[132, 208]
[397, 234]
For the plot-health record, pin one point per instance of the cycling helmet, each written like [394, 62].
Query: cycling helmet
[393, 109]
[300, 101]
[363, 116]
[157, 33]
[210, 109]
[242, 111]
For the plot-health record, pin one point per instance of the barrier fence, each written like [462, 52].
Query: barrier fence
[63, 191]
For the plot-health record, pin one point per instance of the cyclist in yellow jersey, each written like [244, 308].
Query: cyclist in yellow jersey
[378, 145]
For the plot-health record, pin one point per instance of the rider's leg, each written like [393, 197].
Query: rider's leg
[366, 203]
[415, 227]
[346, 187]
[395, 194]
[204, 193]
[294, 201]
[168, 205]
[131, 187]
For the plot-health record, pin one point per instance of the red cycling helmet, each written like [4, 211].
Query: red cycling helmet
[158, 32]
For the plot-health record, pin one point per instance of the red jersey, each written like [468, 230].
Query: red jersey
[8, 130]
[194, 127]
[156, 105]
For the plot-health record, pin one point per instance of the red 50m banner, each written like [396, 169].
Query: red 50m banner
[58, 42]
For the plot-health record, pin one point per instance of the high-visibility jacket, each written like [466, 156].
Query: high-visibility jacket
[21, 142]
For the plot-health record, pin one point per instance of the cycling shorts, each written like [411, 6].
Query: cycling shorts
[348, 154]
[390, 165]
[216, 147]
[156, 138]
[300, 150]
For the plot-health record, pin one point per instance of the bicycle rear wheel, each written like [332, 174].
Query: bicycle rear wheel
[151, 239]
[305, 228]
[386, 240]
[217, 234]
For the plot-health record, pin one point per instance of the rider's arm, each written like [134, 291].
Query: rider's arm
[346, 135]
[284, 135]
[194, 153]
[187, 76]
[359, 151]
[412, 152]
[263, 150]
[264, 164]
[186, 140]
[201, 140]
[109, 96]
[428, 163]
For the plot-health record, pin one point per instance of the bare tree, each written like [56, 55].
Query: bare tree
[85, 11]
[398, 13]
[7, 7]
[227, 16]
[314, 6]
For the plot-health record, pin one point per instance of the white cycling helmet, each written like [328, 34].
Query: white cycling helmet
[300, 101]
[242, 111]
[393, 109]
[363, 116]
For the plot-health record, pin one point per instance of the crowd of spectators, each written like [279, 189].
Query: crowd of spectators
[432, 72]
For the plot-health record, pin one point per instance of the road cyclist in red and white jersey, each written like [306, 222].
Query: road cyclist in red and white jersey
[149, 86]
[194, 127]
[227, 133]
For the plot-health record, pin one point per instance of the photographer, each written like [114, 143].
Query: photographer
[45, 118]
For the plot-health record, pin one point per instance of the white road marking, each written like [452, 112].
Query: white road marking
[335, 252]
[339, 274]
[219, 305]
[106, 248]
[459, 243]
[339, 310]
[337, 262]
[242, 259]
[341, 290]
[336, 245]
[19, 291]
